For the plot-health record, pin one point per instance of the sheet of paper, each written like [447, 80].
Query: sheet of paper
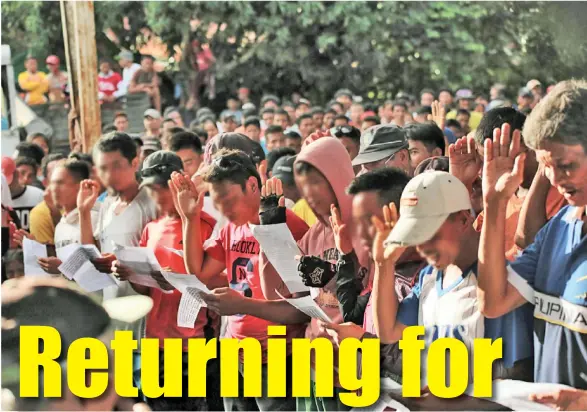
[74, 262]
[32, 250]
[64, 252]
[514, 394]
[79, 267]
[308, 306]
[140, 260]
[90, 279]
[189, 306]
[191, 300]
[280, 247]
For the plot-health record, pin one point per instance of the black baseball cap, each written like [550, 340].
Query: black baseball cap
[379, 142]
[283, 169]
[158, 167]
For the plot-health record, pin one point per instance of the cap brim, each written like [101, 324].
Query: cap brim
[287, 179]
[153, 180]
[371, 157]
[127, 311]
[413, 231]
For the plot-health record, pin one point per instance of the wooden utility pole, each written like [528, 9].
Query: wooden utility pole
[79, 35]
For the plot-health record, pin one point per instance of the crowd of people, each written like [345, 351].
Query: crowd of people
[461, 214]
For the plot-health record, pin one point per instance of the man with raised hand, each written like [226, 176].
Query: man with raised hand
[551, 271]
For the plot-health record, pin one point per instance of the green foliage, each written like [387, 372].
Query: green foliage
[374, 48]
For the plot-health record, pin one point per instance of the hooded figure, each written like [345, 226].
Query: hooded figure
[330, 158]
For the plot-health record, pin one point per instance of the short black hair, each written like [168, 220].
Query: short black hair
[464, 111]
[303, 117]
[253, 121]
[445, 89]
[303, 168]
[424, 110]
[30, 150]
[117, 142]
[495, 118]
[185, 140]
[120, 114]
[331, 111]
[316, 110]
[282, 112]
[208, 118]
[287, 103]
[267, 110]
[51, 157]
[341, 117]
[274, 128]
[336, 103]
[176, 130]
[373, 119]
[277, 154]
[428, 133]
[427, 90]
[453, 123]
[200, 132]
[84, 157]
[401, 103]
[292, 135]
[249, 113]
[389, 183]
[79, 169]
[147, 56]
[168, 119]
[20, 161]
[303, 102]
[232, 165]
[228, 117]
[33, 136]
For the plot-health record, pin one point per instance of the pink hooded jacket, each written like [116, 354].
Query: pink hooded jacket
[330, 158]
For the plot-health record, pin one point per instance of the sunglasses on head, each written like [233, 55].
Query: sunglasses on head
[345, 131]
[158, 170]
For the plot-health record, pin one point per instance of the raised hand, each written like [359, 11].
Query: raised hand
[438, 115]
[342, 237]
[188, 201]
[503, 168]
[464, 162]
[19, 235]
[262, 169]
[272, 206]
[87, 195]
[383, 228]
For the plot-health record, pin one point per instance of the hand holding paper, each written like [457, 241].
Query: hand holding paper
[32, 251]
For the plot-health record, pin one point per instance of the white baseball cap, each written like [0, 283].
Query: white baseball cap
[426, 203]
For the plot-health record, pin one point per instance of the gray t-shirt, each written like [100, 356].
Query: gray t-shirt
[124, 229]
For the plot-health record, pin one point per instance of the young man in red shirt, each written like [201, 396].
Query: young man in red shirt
[235, 188]
[108, 82]
[165, 237]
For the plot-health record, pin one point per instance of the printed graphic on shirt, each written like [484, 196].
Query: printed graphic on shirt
[560, 312]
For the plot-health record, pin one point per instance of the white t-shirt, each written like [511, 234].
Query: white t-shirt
[127, 75]
[24, 203]
[68, 232]
[124, 229]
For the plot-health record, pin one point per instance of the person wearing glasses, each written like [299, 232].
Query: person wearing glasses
[384, 145]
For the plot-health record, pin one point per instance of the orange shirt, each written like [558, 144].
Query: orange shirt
[554, 202]
[160, 235]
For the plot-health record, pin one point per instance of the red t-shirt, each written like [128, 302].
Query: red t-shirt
[109, 84]
[239, 250]
[159, 235]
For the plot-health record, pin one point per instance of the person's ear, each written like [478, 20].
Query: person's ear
[253, 184]
[437, 152]
[135, 163]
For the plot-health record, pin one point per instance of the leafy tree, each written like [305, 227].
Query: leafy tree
[374, 48]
